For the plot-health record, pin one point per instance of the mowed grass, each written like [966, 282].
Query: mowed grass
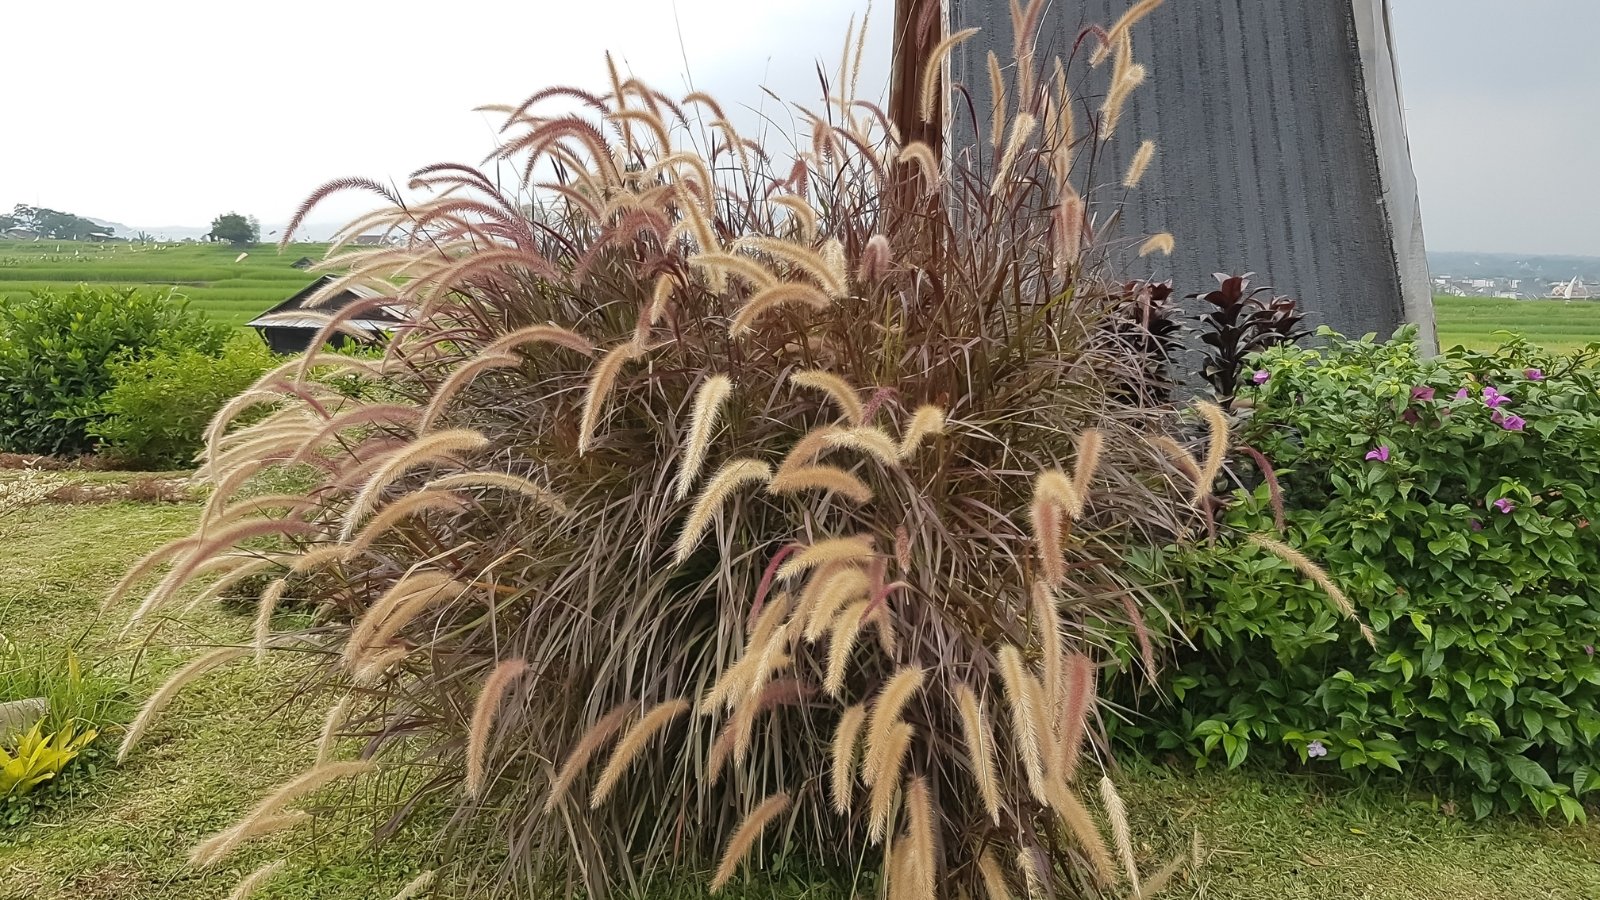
[123, 831]
[1475, 322]
[206, 274]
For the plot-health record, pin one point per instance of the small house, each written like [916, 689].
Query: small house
[290, 326]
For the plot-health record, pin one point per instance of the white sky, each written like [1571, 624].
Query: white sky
[168, 112]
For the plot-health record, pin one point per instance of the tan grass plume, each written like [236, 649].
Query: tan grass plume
[846, 628]
[733, 475]
[1316, 573]
[256, 879]
[745, 837]
[216, 848]
[1021, 130]
[980, 749]
[926, 422]
[504, 481]
[843, 757]
[337, 715]
[923, 862]
[1141, 163]
[832, 479]
[1162, 243]
[483, 716]
[1080, 697]
[632, 744]
[458, 379]
[708, 402]
[838, 390]
[592, 740]
[1019, 686]
[997, 98]
[886, 709]
[932, 71]
[1216, 449]
[600, 386]
[430, 448]
[167, 691]
[1083, 829]
[415, 886]
[993, 877]
[887, 785]
[266, 605]
[828, 550]
[773, 297]
[1121, 832]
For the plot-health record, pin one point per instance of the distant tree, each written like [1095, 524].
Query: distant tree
[237, 230]
[52, 223]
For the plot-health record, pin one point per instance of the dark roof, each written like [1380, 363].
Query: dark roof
[284, 315]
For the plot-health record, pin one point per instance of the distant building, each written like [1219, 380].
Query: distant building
[372, 240]
[1570, 290]
[290, 326]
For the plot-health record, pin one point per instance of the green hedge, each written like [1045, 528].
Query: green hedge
[1457, 502]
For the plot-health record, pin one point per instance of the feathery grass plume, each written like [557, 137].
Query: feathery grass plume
[483, 715]
[249, 883]
[1135, 13]
[1162, 243]
[838, 390]
[926, 422]
[1117, 99]
[923, 868]
[824, 478]
[833, 592]
[743, 838]
[415, 886]
[846, 628]
[753, 273]
[440, 445]
[829, 550]
[1136, 169]
[1019, 695]
[219, 846]
[1068, 227]
[1021, 130]
[708, 402]
[886, 708]
[769, 299]
[980, 749]
[605, 378]
[994, 878]
[265, 816]
[504, 480]
[632, 743]
[233, 576]
[843, 758]
[540, 334]
[1311, 570]
[146, 565]
[1048, 624]
[374, 667]
[168, 690]
[1090, 442]
[1163, 876]
[327, 742]
[922, 155]
[457, 380]
[827, 272]
[1084, 831]
[1053, 493]
[1121, 832]
[1216, 449]
[400, 510]
[733, 475]
[361, 636]
[1180, 457]
[868, 439]
[265, 607]
[1080, 696]
[735, 679]
[593, 739]
[1032, 880]
[875, 260]
[931, 71]
[887, 783]
[997, 99]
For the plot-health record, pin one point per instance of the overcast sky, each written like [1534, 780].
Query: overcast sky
[167, 112]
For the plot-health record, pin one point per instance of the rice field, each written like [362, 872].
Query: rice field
[206, 274]
[235, 292]
[1479, 323]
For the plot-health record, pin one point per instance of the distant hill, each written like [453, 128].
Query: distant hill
[1513, 265]
[270, 231]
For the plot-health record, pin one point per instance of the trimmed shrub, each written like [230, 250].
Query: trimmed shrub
[159, 404]
[56, 350]
[732, 507]
[1452, 498]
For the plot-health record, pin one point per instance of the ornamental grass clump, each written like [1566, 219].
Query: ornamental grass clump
[715, 503]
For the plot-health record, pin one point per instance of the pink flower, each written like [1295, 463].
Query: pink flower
[1381, 454]
[1474, 524]
[1493, 399]
[1534, 374]
[1588, 649]
[1424, 393]
[1507, 421]
[1261, 376]
[1316, 749]
[1505, 505]
[1410, 417]
[1463, 394]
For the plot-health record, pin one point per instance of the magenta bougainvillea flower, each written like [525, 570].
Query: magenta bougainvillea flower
[1534, 374]
[1493, 399]
[1463, 394]
[1423, 392]
[1508, 421]
[1505, 505]
[1381, 454]
[1474, 524]
[1261, 376]
[1410, 417]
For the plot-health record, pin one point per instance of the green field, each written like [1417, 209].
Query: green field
[236, 292]
[206, 274]
[1472, 322]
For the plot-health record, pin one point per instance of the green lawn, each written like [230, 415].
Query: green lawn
[206, 274]
[122, 831]
[1554, 324]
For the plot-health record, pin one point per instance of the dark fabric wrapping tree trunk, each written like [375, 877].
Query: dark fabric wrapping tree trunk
[1282, 145]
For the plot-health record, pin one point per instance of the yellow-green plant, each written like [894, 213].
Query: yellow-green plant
[38, 758]
[717, 503]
